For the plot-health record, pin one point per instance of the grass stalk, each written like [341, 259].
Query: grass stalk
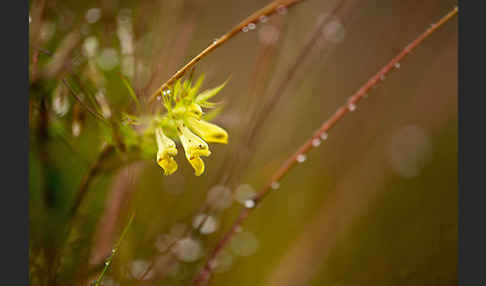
[285, 168]
[114, 251]
[277, 6]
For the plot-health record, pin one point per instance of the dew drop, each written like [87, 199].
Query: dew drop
[324, 135]
[244, 244]
[213, 264]
[251, 26]
[397, 65]
[188, 250]
[263, 18]
[249, 204]
[245, 29]
[76, 128]
[90, 46]
[409, 150]
[93, 15]
[268, 35]
[244, 193]
[168, 91]
[107, 263]
[164, 241]
[335, 32]
[316, 142]
[159, 97]
[113, 250]
[222, 262]
[219, 197]
[206, 224]
[108, 59]
[275, 185]
[352, 107]
[139, 267]
[282, 10]
[60, 103]
[301, 158]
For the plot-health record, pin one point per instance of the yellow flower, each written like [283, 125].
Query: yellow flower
[195, 110]
[208, 131]
[166, 149]
[194, 148]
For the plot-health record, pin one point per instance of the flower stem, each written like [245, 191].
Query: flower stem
[270, 9]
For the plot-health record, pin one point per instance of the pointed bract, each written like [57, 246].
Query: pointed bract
[207, 94]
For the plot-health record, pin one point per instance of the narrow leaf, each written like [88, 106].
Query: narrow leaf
[131, 91]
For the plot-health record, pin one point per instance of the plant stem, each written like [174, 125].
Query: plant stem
[78, 99]
[205, 272]
[270, 9]
[114, 251]
[93, 171]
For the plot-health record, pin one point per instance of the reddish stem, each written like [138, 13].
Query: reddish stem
[272, 8]
[307, 146]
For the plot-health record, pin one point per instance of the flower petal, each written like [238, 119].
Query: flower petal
[197, 163]
[192, 144]
[194, 148]
[208, 131]
[168, 164]
[166, 149]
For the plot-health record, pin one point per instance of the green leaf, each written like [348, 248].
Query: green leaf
[131, 91]
[207, 94]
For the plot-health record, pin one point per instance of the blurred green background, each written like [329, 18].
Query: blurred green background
[374, 204]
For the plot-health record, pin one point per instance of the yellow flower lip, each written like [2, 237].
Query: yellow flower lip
[166, 149]
[198, 164]
[208, 131]
[194, 148]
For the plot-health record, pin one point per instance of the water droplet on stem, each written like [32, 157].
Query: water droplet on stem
[301, 158]
[249, 204]
[282, 10]
[275, 185]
